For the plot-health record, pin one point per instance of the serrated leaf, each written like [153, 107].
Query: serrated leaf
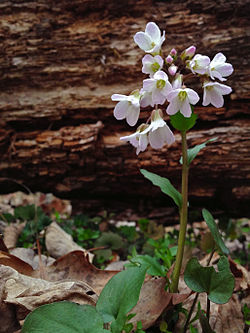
[165, 186]
[192, 152]
[214, 230]
[119, 296]
[219, 285]
[64, 317]
[181, 123]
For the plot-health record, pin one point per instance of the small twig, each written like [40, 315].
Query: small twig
[190, 313]
[41, 265]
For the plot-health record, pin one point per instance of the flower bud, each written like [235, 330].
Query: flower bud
[173, 52]
[172, 70]
[189, 52]
[169, 59]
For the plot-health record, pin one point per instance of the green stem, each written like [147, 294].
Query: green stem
[183, 216]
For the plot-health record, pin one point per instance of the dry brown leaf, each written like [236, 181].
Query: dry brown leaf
[28, 293]
[153, 301]
[76, 266]
[59, 243]
[3, 247]
[30, 257]
[242, 276]
[19, 265]
[11, 234]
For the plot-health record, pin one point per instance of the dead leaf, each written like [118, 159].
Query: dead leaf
[30, 257]
[11, 234]
[153, 301]
[19, 265]
[242, 276]
[28, 293]
[3, 247]
[59, 243]
[76, 266]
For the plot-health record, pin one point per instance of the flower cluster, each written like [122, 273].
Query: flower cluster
[166, 84]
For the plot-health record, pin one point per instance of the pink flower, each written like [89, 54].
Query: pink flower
[218, 67]
[151, 40]
[213, 92]
[180, 100]
[189, 52]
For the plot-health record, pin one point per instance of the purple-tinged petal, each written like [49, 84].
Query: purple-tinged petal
[158, 97]
[173, 107]
[185, 108]
[142, 40]
[120, 110]
[160, 75]
[148, 84]
[146, 100]
[118, 97]
[173, 94]
[192, 96]
[132, 115]
[216, 98]
[206, 98]
[153, 31]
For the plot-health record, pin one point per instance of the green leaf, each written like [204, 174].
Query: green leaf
[153, 265]
[64, 317]
[25, 213]
[119, 296]
[192, 152]
[165, 186]
[214, 230]
[206, 328]
[181, 123]
[218, 285]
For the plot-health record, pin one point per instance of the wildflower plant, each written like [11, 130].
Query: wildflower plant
[168, 76]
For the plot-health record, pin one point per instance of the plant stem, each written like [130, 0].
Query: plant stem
[183, 216]
[208, 309]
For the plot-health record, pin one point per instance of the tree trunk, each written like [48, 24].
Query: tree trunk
[60, 61]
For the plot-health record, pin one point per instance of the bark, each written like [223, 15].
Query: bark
[60, 61]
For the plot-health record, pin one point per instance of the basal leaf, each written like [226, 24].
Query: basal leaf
[64, 317]
[119, 296]
[218, 285]
[192, 152]
[181, 123]
[214, 230]
[165, 186]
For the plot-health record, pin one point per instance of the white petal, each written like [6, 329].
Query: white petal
[142, 40]
[156, 139]
[158, 97]
[160, 75]
[225, 69]
[216, 98]
[173, 94]
[143, 142]
[118, 97]
[159, 60]
[146, 100]
[219, 58]
[149, 84]
[223, 89]
[154, 32]
[120, 110]
[185, 108]
[206, 97]
[173, 107]
[192, 96]
[148, 58]
[132, 115]
[167, 89]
